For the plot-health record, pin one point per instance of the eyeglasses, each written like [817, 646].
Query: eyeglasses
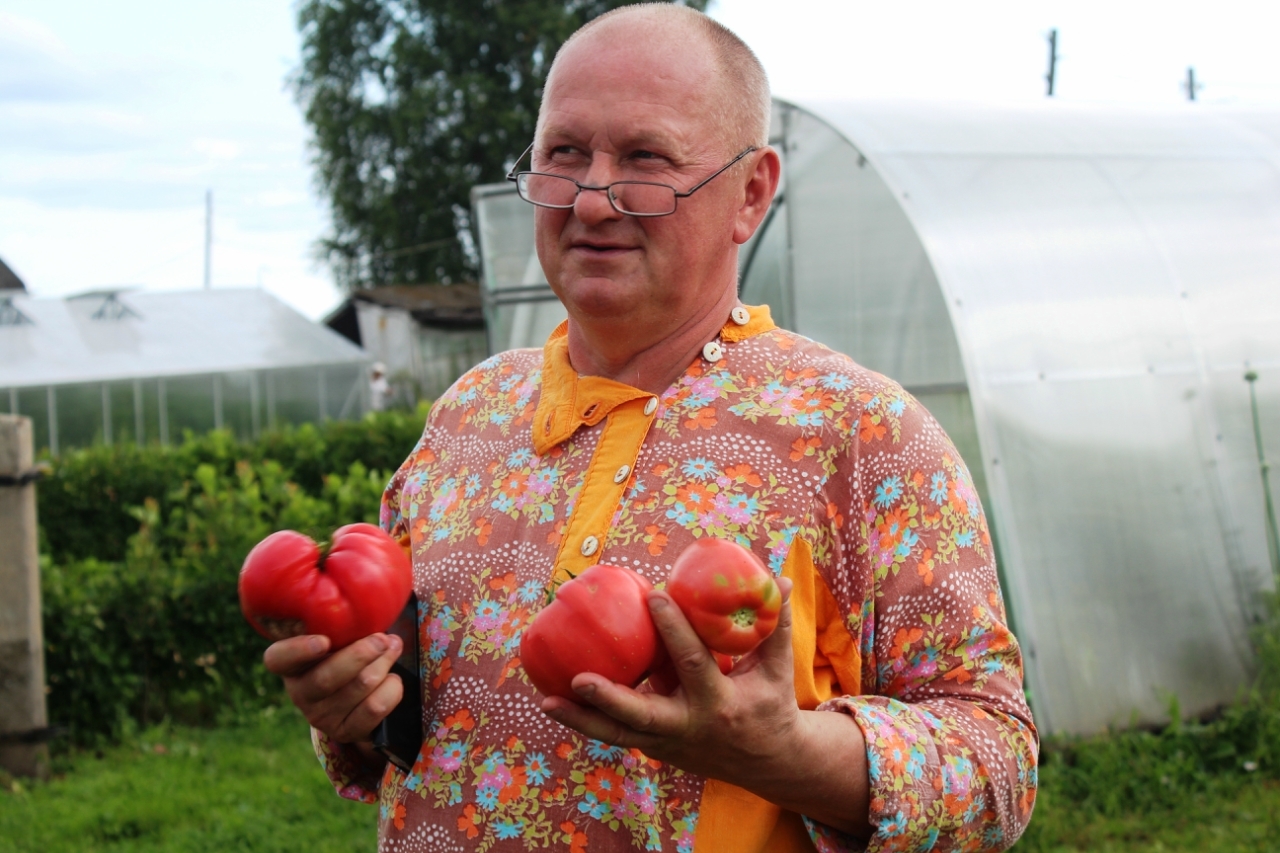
[630, 198]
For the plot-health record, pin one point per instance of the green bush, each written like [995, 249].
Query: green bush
[86, 503]
[148, 625]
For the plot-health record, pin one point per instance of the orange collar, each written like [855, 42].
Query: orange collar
[568, 401]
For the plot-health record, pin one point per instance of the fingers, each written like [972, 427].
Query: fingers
[693, 663]
[775, 652]
[295, 655]
[346, 694]
[359, 724]
[616, 714]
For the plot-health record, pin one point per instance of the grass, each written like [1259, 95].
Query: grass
[251, 787]
[1243, 818]
[255, 786]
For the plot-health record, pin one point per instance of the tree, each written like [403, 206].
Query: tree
[411, 103]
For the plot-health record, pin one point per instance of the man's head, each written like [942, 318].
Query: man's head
[743, 103]
[655, 93]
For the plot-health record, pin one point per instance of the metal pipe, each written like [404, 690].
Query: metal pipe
[162, 399]
[51, 405]
[106, 414]
[1273, 535]
[139, 419]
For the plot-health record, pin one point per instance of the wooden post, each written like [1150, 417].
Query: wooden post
[23, 716]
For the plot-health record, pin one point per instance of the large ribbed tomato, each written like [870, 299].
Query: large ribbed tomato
[726, 593]
[288, 587]
[598, 622]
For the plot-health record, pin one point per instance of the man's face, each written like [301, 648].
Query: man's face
[637, 109]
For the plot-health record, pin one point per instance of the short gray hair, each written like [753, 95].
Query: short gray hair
[746, 104]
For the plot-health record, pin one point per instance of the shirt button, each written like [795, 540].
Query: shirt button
[712, 351]
[589, 546]
[740, 315]
[651, 406]
[621, 473]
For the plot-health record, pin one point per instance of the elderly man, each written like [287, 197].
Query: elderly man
[886, 712]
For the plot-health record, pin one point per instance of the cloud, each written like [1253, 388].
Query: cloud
[35, 65]
[59, 127]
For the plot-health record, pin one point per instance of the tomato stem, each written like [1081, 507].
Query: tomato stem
[743, 617]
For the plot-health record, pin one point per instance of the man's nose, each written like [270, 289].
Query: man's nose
[592, 205]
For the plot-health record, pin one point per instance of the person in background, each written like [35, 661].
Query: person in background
[885, 713]
[379, 388]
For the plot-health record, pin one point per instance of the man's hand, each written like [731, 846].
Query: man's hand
[344, 695]
[744, 728]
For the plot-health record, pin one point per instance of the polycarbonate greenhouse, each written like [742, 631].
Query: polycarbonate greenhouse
[114, 366]
[1078, 294]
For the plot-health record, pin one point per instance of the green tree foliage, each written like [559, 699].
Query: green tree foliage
[411, 103]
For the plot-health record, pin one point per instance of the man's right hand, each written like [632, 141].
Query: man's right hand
[344, 695]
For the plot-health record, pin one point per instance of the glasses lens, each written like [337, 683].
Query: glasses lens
[547, 189]
[643, 199]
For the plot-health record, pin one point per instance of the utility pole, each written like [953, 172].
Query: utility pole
[1191, 85]
[208, 239]
[1053, 60]
[24, 725]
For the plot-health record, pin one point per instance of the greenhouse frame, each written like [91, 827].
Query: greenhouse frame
[1088, 300]
[111, 366]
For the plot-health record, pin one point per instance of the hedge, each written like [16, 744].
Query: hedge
[141, 549]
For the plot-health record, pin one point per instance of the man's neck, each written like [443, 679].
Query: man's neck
[600, 349]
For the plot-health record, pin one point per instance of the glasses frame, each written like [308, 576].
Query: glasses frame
[607, 189]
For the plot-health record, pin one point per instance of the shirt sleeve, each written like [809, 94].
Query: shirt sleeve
[951, 746]
[343, 764]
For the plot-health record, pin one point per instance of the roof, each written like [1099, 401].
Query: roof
[9, 279]
[113, 335]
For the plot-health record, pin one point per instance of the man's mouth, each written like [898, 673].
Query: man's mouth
[601, 248]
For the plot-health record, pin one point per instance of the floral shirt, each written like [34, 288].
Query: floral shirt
[527, 473]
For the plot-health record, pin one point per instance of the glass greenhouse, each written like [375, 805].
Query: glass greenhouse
[115, 366]
[1078, 295]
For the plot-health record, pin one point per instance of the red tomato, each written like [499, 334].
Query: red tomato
[598, 622]
[287, 587]
[727, 595]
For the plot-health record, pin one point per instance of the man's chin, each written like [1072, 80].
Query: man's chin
[601, 295]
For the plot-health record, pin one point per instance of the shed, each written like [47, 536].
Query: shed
[113, 365]
[426, 335]
[1088, 299]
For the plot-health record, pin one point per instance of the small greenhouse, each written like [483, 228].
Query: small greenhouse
[113, 366]
[1089, 301]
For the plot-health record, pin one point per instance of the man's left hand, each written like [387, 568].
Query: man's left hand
[744, 728]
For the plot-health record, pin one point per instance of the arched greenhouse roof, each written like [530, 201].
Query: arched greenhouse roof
[1077, 294]
[1105, 278]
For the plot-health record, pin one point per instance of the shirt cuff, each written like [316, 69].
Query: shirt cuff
[927, 789]
[344, 765]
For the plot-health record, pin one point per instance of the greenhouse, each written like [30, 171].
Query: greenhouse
[1089, 301]
[113, 366]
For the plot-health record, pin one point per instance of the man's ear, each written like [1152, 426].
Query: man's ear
[761, 184]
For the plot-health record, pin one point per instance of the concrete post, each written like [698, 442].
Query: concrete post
[23, 716]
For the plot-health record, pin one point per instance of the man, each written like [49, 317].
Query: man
[886, 712]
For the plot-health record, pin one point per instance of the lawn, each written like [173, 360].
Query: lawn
[1232, 819]
[252, 787]
[257, 787]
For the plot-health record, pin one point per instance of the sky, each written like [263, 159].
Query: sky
[117, 118]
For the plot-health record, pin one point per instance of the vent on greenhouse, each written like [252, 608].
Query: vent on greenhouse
[11, 315]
